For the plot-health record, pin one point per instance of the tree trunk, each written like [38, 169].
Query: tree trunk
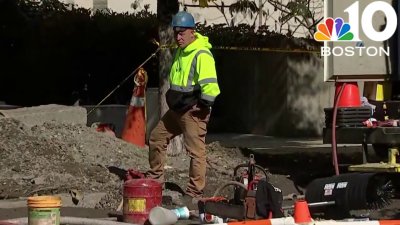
[165, 10]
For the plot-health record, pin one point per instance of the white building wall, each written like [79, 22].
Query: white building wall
[88, 4]
[212, 15]
[119, 6]
[125, 5]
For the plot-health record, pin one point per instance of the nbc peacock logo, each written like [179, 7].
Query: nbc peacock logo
[348, 34]
[333, 30]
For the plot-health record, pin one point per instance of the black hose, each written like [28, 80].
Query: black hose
[246, 165]
[229, 183]
[334, 144]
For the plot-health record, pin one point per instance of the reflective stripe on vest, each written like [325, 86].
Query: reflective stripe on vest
[189, 87]
[207, 97]
[208, 80]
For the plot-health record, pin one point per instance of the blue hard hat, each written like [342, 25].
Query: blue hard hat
[183, 19]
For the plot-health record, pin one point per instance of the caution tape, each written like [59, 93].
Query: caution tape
[167, 46]
[233, 48]
[267, 49]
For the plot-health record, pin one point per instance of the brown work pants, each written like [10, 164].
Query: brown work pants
[193, 125]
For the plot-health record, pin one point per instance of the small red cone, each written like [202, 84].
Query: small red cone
[135, 123]
[301, 212]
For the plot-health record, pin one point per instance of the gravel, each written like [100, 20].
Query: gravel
[55, 158]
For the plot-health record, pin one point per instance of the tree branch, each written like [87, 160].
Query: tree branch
[222, 12]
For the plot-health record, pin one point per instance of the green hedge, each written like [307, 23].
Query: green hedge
[246, 36]
[51, 51]
[54, 53]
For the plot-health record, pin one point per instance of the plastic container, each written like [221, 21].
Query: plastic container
[44, 210]
[140, 196]
[350, 96]
[162, 216]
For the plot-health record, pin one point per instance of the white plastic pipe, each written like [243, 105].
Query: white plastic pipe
[71, 220]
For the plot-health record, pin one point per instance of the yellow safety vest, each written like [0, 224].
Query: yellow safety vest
[193, 78]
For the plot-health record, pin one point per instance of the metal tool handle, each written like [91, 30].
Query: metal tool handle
[229, 183]
[314, 204]
[246, 165]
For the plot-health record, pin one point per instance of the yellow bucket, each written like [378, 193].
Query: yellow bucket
[44, 210]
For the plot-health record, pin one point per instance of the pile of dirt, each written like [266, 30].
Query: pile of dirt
[55, 158]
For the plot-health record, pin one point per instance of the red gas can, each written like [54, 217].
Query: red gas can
[140, 196]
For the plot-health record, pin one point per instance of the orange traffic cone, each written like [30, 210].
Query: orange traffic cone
[301, 212]
[135, 123]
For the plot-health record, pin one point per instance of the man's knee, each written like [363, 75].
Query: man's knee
[196, 149]
[157, 140]
[153, 137]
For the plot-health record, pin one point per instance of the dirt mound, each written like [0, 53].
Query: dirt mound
[55, 158]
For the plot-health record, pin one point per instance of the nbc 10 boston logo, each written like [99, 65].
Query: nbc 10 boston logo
[338, 30]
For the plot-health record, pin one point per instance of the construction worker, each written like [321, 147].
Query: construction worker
[193, 89]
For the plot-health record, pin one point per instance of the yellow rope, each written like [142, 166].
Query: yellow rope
[258, 49]
[267, 49]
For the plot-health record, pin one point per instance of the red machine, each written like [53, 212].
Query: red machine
[248, 174]
[243, 204]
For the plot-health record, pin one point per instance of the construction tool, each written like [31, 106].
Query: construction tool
[332, 196]
[351, 191]
[248, 174]
[243, 205]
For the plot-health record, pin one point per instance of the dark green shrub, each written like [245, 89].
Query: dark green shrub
[56, 53]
